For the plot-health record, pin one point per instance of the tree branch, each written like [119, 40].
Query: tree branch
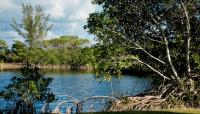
[167, 49]
[139, 47]
[149, 66]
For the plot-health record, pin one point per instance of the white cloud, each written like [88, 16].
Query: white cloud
[82, 12]
[7, 5]
[67, 16]
[69, 9]
[57, 11]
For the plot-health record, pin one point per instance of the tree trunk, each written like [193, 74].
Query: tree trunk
[171, 66]
[188, 38]
[170, 61]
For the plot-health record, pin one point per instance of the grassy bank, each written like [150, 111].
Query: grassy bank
[173, 111]
[184, 110]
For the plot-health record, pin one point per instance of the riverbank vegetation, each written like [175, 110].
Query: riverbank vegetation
[66, 50]
[163, 36]
[27, 89]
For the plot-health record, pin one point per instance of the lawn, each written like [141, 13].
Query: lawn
[173, 111]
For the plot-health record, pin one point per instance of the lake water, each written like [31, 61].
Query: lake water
[81, 85]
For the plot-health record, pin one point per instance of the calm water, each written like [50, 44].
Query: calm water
[80, 85]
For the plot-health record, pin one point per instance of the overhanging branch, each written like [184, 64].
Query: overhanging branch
[142, 62]
[139, 47]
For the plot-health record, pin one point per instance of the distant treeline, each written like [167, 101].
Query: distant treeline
[66, 50]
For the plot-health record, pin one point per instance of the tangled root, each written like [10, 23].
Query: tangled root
[137, 103]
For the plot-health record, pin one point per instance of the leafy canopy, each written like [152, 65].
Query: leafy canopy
[145, 32]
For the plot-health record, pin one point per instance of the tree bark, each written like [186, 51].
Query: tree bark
[188, 38]
[170, 61]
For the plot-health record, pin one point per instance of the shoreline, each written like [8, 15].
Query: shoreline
[16, 66]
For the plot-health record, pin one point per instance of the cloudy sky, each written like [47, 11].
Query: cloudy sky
[67, 16]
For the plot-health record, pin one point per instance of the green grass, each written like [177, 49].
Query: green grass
[151, 112]
[185, 110]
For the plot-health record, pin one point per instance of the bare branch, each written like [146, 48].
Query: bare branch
[162, 75]
[139, 47]
[140, 61]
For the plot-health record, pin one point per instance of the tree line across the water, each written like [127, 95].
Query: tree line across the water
[66, 50]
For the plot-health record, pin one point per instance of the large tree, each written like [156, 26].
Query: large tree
[32, 85]
[34, 25]
[160, 34]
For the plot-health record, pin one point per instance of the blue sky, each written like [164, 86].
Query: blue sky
[67, 16]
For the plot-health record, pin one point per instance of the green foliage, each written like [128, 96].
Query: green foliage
[19, 51]
[24, 90]
[197, 59]
[37, 56]
[123, 24]
[3, 45]
[34, 24]
[88, 56]
[66, 50]
[3, 51]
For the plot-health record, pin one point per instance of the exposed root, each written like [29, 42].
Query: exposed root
[167, 95]
[137, 103]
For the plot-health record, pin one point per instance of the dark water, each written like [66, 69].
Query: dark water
[80, 85]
